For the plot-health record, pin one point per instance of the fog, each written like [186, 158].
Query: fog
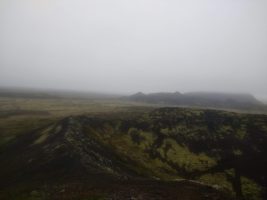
[127, 46]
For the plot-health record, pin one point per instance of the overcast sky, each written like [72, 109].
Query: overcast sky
[125, 46]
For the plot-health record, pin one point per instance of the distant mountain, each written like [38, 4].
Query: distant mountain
[200, 99]
[53, 94]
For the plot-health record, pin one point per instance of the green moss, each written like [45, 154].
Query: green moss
[219, 179]
[44, 135]
[251, 190]
[184, 158]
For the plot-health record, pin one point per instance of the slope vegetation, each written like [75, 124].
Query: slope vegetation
[194, 153]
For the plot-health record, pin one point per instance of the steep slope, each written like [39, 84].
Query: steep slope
[201, 154]
[59, 151]
[214, 147]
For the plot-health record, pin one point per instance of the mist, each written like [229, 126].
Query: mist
[128, 46]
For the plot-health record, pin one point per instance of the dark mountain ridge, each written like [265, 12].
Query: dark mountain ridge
[201, 99]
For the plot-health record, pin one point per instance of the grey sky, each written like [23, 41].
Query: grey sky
[125, 46]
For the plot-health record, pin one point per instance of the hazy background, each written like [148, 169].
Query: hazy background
[125, 46]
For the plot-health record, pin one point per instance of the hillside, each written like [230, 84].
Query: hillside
[191, 153]
[201, 99]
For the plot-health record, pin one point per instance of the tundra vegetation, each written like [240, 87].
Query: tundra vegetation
[111, 149]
